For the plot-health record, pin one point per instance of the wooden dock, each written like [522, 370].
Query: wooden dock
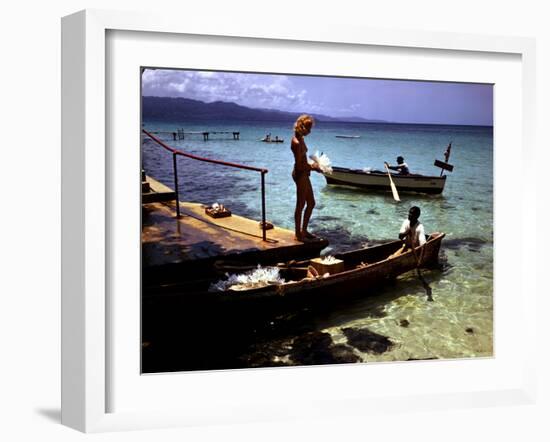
[153, 191]
[206, 134]
[180, 134]
[174, 247]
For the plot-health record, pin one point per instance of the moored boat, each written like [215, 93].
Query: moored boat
[378, 180]
[361, 269]
[348, 136]
[272, 140]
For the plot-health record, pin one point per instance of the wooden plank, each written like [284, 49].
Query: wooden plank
[157, 192]
[195, 237]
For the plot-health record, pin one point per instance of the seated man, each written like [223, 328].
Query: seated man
[411, 233]
[401, 166]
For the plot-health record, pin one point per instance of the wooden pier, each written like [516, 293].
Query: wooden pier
[175, 247]
[153, 192]
[180, 134]
[206, 134]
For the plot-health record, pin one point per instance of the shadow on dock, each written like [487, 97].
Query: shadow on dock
[187, 247]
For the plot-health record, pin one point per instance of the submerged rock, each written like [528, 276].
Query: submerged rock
[367, 341]
[341, 238]
[471, 243]
[316, 348]
[266, 354]
[344, 354]
[326, 218]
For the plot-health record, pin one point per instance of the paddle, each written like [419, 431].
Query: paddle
[420, 276]
[392, 185]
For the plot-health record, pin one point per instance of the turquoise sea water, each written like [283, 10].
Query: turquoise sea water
[459, 323]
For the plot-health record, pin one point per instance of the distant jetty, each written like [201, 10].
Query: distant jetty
[180, 134]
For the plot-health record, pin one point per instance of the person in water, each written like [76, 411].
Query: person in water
[401, 166]
[300, 175]
[411, 233]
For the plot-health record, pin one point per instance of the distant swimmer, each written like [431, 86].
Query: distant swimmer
[401, 166]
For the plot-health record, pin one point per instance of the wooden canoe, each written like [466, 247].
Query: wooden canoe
[378, 180]
[363, 268]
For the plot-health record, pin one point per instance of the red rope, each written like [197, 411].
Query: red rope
[195, 157]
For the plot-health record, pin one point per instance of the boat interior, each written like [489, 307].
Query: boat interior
[290, 271]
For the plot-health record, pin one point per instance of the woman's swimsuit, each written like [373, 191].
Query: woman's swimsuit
[301, 169]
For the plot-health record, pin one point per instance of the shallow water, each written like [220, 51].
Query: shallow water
[459, 323]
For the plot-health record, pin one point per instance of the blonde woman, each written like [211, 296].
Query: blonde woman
[300, 175]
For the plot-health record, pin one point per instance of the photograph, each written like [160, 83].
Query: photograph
[303, 220]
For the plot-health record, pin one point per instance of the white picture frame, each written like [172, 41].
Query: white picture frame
[86, 315]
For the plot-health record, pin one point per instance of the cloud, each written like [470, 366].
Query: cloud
[253, 90]
[350, 109]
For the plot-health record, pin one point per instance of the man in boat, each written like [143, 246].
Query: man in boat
[401, 166]
[411, 233]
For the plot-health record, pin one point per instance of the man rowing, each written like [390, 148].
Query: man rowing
[401, 166]
[412, 233]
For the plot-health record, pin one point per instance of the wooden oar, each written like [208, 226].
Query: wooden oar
[392, 185]
[420, 276]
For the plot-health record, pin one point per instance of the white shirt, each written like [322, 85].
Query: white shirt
[419, 237]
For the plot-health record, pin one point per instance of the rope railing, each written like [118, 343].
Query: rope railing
[176, 152]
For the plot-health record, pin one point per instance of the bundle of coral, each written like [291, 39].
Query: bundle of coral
[260, 277]
[322, 161]
[329, 259]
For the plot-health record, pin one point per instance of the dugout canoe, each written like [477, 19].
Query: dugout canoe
[378, 180]
[362, 269]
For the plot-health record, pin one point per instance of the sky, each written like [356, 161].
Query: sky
[399, 101]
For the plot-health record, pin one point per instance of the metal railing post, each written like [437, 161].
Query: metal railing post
[174, 155]
[176, 152]
[263, 206]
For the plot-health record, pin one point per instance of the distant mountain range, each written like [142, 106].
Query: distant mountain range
[182, 109]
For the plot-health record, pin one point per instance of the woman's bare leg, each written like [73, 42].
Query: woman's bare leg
[310, 204]
[300, 203]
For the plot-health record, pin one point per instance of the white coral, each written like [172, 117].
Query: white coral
[323, 161]
[329, 259]
[261, 277]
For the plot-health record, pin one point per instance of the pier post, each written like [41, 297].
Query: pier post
[263, 205]
[176, 184]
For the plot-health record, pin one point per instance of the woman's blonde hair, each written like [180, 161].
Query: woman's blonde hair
[300, 125]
